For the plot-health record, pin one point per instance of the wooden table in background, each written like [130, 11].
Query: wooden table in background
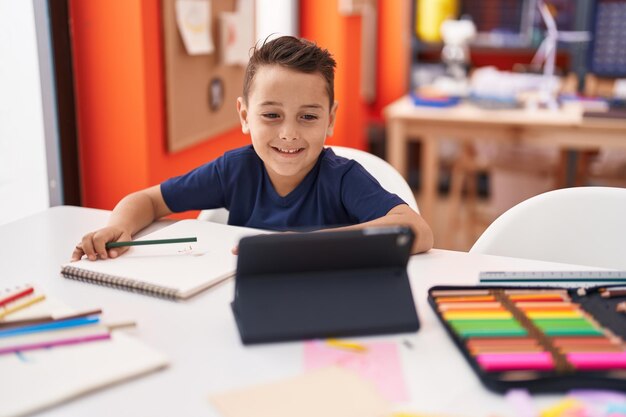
[465, 123]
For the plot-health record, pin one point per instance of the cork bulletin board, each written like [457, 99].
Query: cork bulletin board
[200, 91]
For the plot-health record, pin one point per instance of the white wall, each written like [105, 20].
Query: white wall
[276, 18]
[23, 170]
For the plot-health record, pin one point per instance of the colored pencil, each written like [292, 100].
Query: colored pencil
[565, 308]
[465, 299]
[515, 361]
[591, 348]
[476, 311]
[550, 296]
[458, 293]
[527, 291]
[24, 322]
[546, 304]
[519, 331]
[47, 319]
[613, 292]
[598, 360]
[505, 349]
[57, 338]
[502, 341]
[53, 325]
[564, 323]
[573, 332]
[120, 325]
[110, 245]
[581, 340]
[20, 305]
[454, 315]
[342, 344]
[495, 305]
[553, 314]
[15, 295]
[485, 323]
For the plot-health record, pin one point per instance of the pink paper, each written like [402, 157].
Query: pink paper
[380, 364]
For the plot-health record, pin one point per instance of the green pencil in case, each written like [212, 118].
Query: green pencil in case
[110, 245]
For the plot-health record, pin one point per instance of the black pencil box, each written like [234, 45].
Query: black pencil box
[600, 311]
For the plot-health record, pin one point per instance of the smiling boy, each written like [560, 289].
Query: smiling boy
[286, 180]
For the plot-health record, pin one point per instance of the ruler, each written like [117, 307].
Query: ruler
[560, 278]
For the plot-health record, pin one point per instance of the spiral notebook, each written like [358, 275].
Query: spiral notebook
[175, 271]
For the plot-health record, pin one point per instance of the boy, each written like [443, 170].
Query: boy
[286, 180]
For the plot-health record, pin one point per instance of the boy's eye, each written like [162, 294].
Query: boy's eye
[309, 117]
[270, 115]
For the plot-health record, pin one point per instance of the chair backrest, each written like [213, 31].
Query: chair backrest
[582, 225]
[385, 174]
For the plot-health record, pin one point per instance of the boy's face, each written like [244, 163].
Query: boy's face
[288, 118]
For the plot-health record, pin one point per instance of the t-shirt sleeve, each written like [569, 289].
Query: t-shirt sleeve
[363, 197]
[199, 189]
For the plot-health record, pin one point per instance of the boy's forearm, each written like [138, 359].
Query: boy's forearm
[403, 216]
[424, 239]
[138, 210]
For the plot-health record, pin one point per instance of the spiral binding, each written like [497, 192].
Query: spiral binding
[112, 281]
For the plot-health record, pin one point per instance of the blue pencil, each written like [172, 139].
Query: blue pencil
[54, 325]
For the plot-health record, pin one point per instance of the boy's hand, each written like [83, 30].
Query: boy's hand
[93, 244]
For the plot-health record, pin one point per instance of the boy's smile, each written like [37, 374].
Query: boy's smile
[288, 118]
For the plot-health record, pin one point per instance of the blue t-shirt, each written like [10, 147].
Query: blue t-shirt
[336, 192]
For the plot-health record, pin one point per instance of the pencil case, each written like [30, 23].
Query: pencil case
[543, 339]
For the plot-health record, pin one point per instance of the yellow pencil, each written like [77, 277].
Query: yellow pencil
[342, 344]
[120, 325]
[21, 305]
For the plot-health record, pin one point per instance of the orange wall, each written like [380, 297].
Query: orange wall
[120, 97]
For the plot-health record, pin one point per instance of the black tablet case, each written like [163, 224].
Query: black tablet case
[603, 311]
[326, 284]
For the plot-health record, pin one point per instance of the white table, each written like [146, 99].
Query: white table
[202, 342]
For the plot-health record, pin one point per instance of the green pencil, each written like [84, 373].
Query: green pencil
[110, 245]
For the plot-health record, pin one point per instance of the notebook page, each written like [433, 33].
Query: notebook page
[184, 267]
[42, 378]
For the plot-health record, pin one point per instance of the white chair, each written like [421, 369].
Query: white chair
[385, 174]
[581, 225]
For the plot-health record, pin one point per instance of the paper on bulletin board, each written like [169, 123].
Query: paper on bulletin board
[237, 34]
[193, 18]
[200, 92]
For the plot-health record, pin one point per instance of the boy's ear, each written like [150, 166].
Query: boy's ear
[243, 115]
[332, 119]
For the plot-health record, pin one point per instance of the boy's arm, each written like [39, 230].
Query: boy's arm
[130, 215]
[403, 215]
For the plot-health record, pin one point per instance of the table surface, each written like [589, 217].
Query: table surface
[201, 340]
[569, 115]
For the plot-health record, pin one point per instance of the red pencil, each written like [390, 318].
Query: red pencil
[16, 295]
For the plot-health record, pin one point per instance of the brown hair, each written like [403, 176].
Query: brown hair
[292, 53]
